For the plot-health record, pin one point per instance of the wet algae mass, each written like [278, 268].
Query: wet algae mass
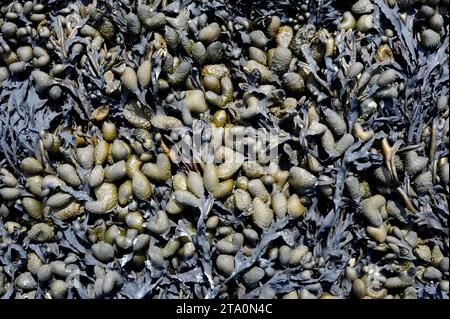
[224, 149]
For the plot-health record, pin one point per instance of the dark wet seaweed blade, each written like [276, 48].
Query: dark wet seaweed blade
[192, 276]
[9, 266]
[323, 13]
[132, 290]
[290, 236]
[125, 259]
[243, 263]
[280, 282]
[201, 241]
[24, 117]
[330, 227]
[404, 31]
[430, 219]
[73, 241]
[9, 293]
[227, 216]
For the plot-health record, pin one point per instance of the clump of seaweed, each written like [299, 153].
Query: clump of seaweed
[224, 149]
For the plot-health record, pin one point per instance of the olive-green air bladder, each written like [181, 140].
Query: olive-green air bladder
[227, 170]
[348, 21]
[257, 189]
[414, 163]
[186, 198]
[33, 207]
[293, 83]
[257, 55]
[85, 156]
[43, 80]
[361, 134]
[212, 184]
[365, 23]
[423, 183]
[73, 209]
[334, 148]
[159, 224]
[159, 171]
[226, 93]
[120, 150]
[137, 115]
[96, 176]
[122, 163]
[225, 264]
[242, 200]
[302, 180]
[258, 39]
[335, 122]
[125, 192]
[34, 184]
[253, 169]
[296, 255]
[102, 251]
[97, 39]
[262, 214]
[336, 125]
[41, 232]
[295, 207]
[209, 33]
[9, 193]
[195, 184]
[226, 246]
[33, 263]
[143, 74]
[101, 152]
[115, 172]
[280, 61]
[430, 39]
[173, 207]
[180, 74]
[107, 199]
[31, 165]
[252, 107]
[198, 53]
[370, 209]
[354, 188]
[50, 182]
[252, 277]
[165, 122]
[377, 233]
[444, 173]
[142, 187]
[193, 102]
[170, 248]
[359, 288]
[266, 73]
